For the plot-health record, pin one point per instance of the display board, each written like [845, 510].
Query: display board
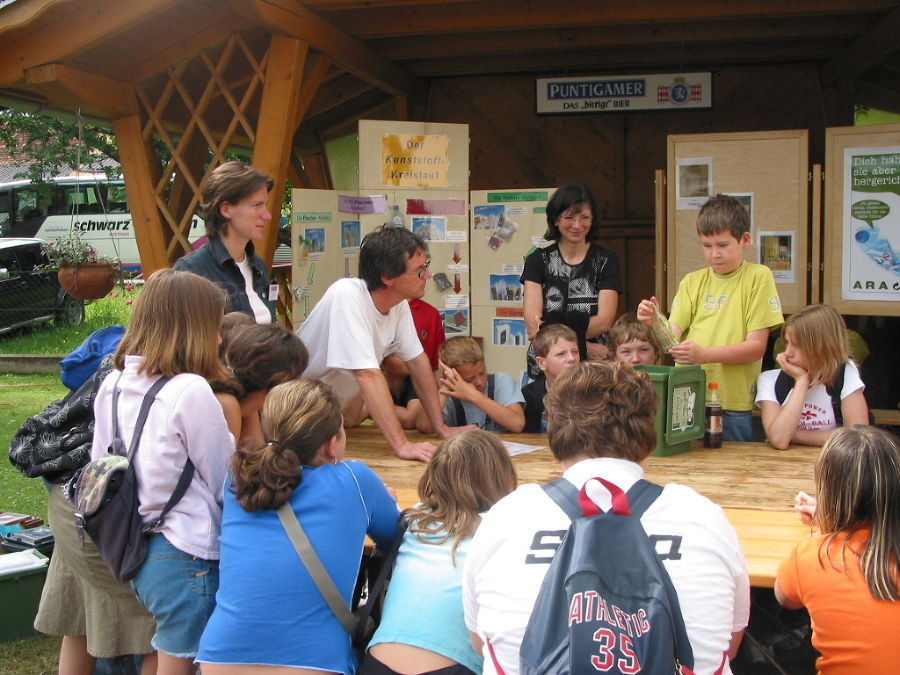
[862, 220]
[766, 170]
[505, 226]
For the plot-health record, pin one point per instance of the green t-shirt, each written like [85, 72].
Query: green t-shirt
[715, 311]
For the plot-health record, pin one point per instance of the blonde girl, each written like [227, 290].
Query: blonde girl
[816, 357]
[422, 628]
[270, 616]
[847, 577]
[173, 332]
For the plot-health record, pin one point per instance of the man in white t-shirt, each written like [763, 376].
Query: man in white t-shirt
[601, 422]
[358, 322]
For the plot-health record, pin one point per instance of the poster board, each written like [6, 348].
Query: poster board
[498, 252]
[768, 171]
[862, 220]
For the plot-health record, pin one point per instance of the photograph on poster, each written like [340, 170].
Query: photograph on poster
[776, 251]
[316, 238]
[441, 281]
[350, 234]
[694, 182]
[505, 288]
[871, 234]
[430, 228]
[487, 216]
[456, 321]
[509, 332]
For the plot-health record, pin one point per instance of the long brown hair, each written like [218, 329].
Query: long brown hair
[466, 476]
[175, 326]
[299, 417]
[858, 486]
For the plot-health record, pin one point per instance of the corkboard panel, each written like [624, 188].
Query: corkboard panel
[774, 167]
[836, 239]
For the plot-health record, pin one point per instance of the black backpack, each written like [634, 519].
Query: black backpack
[607, 603]
[784, 383]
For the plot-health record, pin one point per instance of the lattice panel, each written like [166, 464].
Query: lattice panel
[215, 95]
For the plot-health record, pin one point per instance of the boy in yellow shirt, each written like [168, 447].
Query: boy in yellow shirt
[723, 313]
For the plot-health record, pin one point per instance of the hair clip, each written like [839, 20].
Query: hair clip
[274, 444]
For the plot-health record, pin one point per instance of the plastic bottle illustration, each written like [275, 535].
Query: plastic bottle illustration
[878, 249]
[397, 217]
[503, 233]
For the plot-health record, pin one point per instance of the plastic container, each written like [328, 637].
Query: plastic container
[21, 593]
[680, 415]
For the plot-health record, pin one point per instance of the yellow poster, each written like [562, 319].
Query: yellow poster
[415, 160]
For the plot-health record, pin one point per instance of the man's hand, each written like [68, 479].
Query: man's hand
[688, 352]
[417, 451]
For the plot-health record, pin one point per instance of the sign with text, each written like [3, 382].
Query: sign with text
[415, 160]
[673, 91]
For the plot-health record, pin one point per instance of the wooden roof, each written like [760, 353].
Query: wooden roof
[70, 54]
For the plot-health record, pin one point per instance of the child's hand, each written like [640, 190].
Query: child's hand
[688, 352]
[805, 505]
[646, 311]
[791, 369]
[452, 384]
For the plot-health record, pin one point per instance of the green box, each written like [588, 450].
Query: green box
[21, 593]
[682, 406]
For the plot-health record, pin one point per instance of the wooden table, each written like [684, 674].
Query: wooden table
[753, 483]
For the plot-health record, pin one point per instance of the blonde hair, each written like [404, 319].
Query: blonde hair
[175, 326]
[549, 335]
[461, 351]
[467, 475]
[858, 486]
[299, 417]
[601, 409]
[627, 328]
[822, 335]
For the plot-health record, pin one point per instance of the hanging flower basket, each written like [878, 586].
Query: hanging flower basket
[87, 281]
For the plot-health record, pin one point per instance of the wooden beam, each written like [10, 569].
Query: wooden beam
[69, 88]
[73, 34]
[864, 52]
[21, 13]
[277, 123]
[292, 18]
[312, 83]
[141, 173]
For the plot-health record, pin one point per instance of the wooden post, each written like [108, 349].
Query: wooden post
[141, 174]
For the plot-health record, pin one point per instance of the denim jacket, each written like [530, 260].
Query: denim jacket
[214, 262]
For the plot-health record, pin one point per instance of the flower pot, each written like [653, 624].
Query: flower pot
[87, 281]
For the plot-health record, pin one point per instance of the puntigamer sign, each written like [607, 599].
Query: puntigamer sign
[619, 94]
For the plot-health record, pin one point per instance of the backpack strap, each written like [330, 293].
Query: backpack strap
[834, 391]
[490, 386]
[783, 385]
[458, 406]
[641, 495]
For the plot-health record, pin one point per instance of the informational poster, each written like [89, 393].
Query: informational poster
[777, 252]
[871, 217]
[694, 182]
[415, 160]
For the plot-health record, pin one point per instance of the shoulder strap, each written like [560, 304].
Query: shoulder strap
[834, 391]
[460, 413]
[783, 385]
[641, 495]
[375, 589]
[490, 386]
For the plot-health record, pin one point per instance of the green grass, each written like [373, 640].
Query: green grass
[36, 655]
[48, 338]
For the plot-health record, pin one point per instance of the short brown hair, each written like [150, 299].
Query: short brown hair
[723, 214]
[175, 326]
[548, 335]
[627, 328]
[460, 351]
[265, 354]
[229, 182]
[602, 409]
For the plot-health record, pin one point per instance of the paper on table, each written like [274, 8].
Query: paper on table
[521, 448]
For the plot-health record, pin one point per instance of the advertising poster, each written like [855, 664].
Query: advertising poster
[871, 235]
[694, 182]
[777, 252]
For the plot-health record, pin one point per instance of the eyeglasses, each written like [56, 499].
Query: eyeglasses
[422, 270]
[581, 218]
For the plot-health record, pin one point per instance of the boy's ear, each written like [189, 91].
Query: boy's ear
[745, 240]
[541, 363]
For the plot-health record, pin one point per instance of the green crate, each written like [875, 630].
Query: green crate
[682, 402]
[21, 593]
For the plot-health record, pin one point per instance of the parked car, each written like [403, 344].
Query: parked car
[29, 292]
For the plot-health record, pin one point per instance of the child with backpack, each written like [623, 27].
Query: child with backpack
[555, 348]
[422, 628]
[817, 388]
[173, 332]
[847, 576]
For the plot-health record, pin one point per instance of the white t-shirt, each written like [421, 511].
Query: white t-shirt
[346, 332]
[260, 312]
[512, 549]
[818, 413]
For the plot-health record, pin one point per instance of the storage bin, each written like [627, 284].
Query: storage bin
[682, 405]
[21, 593]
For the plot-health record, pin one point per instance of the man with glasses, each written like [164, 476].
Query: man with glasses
[358, 322]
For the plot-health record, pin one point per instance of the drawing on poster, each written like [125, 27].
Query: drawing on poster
[694, 182]
[316, 238]
[871, 234]
[509, 332]
[456, 321]
[776, 251]
[505, 288]
[487, 216]
[350, 234]
[430, 228]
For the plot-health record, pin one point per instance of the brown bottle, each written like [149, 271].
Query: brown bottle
[713, 436]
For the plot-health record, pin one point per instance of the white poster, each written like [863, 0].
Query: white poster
[694, 182]
[871, 235]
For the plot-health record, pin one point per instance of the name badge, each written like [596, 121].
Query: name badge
[273, 292]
